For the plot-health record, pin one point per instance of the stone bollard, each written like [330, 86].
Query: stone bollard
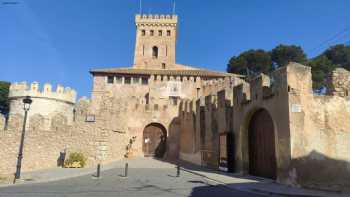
[178, 170]
[126, 170]
[98, 173]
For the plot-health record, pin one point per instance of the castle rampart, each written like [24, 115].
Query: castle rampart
[60, 94]
[156, 20]
[339, 83]
[46, 102]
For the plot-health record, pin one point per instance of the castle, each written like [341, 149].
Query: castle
[272, 126]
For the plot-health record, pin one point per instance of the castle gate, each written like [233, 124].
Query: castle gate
[154, 140]
[262, 155]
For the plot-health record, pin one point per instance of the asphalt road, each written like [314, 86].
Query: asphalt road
[140, 182]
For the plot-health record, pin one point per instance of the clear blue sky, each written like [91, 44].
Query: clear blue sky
[59, 41]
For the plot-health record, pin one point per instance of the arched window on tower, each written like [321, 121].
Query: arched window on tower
[155, 52]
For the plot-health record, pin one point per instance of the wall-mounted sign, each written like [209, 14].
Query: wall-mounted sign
[90, 118]
[296, 108]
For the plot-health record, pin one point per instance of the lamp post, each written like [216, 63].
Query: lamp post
[27, 101]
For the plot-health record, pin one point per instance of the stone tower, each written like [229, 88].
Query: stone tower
[155, 41]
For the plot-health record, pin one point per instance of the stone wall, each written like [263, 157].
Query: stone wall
[2, 122]
[338, 83]
[311, 132]
[43, 145]
[202, 122]
[320, 133]
[189, 135]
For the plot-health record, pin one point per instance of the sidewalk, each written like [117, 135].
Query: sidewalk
[254, 184]
[55, 174]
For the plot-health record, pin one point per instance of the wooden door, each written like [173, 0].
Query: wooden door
[262, 156]
[153, 141]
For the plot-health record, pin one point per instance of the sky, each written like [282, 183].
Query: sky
[59, 41]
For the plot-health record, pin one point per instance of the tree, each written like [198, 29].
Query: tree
[4, 91]
[253, 62]
[250, 63]
[283, 54]
[340, 55]
[321, 67]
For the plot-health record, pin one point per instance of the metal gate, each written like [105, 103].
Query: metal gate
[262, 155]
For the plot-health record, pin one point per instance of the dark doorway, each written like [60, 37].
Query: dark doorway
[227, 157]
[154, 140]
[262, 155]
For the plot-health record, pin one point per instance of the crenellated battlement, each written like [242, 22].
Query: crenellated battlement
[183, 79]
[155, 19]
[338, 83]
[188, 106]
[216, 85]
[61, 93]
[264, 87]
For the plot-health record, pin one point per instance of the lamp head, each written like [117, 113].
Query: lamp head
[27, 101]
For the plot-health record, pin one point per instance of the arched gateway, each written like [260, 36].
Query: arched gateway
[154, 140]
[262, 155]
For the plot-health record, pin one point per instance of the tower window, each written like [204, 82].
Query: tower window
[163, 66]
[155, 52]
[160, 33]
[135, 80]
[110, 79]
[168, 33]
[174, 100]
[155, 107]
[144, 81]
[127, 80]
[119, 80]
[152, 32]
[143, 32]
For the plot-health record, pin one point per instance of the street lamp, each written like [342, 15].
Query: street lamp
[27, 101]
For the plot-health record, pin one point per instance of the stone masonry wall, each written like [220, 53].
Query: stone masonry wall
[2, 122]
[311, 132]
[202, 121]
[320, 133]
[338, 83]
[43, 146]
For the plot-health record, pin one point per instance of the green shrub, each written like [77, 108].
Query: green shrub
[75, 157]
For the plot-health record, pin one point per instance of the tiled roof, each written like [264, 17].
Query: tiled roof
[183, 72]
